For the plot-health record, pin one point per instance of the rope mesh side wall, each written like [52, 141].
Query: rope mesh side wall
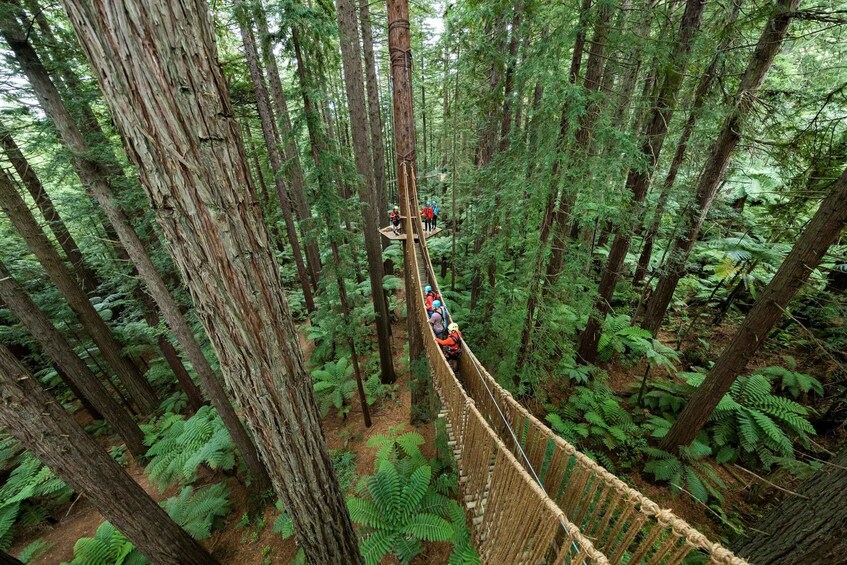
[513, 520]
[619, 520]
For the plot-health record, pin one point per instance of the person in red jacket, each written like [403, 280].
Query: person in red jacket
[426, 215]
[452, 345]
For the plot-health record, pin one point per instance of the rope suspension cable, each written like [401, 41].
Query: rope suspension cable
[488, 389]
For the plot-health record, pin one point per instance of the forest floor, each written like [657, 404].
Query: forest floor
[253, 542]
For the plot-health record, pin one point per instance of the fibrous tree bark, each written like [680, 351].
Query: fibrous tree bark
[44, 204]
[821, 232]
[93, 175]
[170, 102]
[638, 179]
[808, 526]
[404, 139]
[351, 63]
[41, 424]
[20, 215]
[271, 136]
[57, 348]
[717, 161]
[374, 116]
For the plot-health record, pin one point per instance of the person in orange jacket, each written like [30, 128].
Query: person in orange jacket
[451, 345]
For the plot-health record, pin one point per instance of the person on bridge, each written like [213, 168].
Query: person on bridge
[434, 208]
[430, 297]
[452, 346]
[426, 215]
[438, 319]
[394, 217]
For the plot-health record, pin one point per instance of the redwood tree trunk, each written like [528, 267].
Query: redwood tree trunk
[194, 170]
[374, 117]
[807, 528]
[44, 428]
[269, 131]
[404, 139]
[20, 215]
[59, 350]
[718, 160]
[638, 179]
[94, 176]
[293, 168]
[823, 230]
[42, 200]
[351, 63]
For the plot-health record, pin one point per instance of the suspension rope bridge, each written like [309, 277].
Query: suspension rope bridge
[531, 496]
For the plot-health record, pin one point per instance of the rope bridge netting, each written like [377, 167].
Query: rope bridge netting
[531, 496]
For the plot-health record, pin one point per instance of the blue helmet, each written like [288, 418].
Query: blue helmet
[427, 288]
[436, 303]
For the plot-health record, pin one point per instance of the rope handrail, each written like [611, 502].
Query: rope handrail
[619, 519]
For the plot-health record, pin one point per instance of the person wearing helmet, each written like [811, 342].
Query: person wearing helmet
[452, 345]
[394, 217]
[430, 297]
[438, 319]
[434, 208]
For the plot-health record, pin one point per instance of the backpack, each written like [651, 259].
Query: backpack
[453, 350]
[435, 210]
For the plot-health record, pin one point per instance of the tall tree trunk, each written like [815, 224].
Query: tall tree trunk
[57, 348]
[20, 215]
[269, 131]
[805, 528]
[351, 63]
[681, 148]
[375, 118]
[718, 160]
[45, 205]
[509, 79]
[822, 231]
[224, 257]
[638, 179]
[293, 167]
[94, 177]
[404, 139]
[44, 428]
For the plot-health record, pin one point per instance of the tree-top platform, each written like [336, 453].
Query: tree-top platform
[389, 233]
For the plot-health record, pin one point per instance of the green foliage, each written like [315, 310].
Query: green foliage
[178, 447]
[593, 418]
[30, 491]
[334, 386]
[750, 423]
[283, 525]
[397, 446]
[344, 465]
[762, 425]
[107, 546]
[33, 550]
[798, 385]
[621, 338]
[399, 512]
[197, 511]
[690, 471]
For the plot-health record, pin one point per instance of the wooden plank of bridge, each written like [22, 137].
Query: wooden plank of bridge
[389, 233]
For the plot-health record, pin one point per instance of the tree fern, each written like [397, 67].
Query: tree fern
[33, 550]
[398, 513]
[107, 546]
[24, 498]
[197, 511]
[178, 447]
[798, 385]
[334, 386]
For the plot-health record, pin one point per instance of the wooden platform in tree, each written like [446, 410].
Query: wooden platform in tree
[389, 233]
